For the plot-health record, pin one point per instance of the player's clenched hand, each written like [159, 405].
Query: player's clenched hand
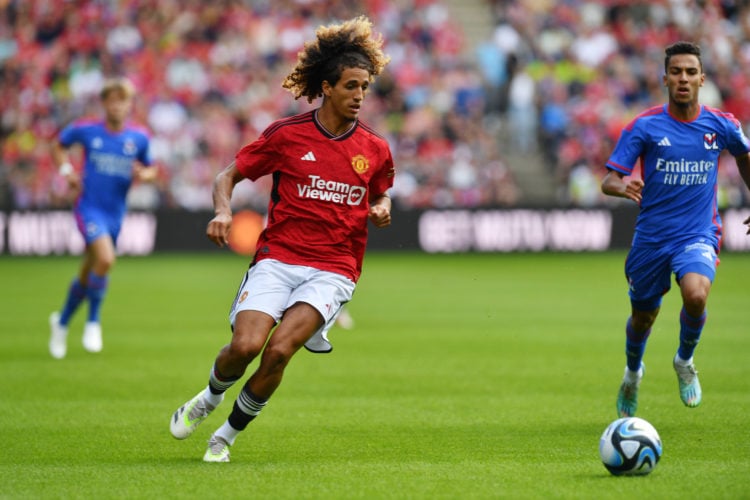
[73, 182]
[218, 229]
[143, 173]
[380, 216]
[633, 190]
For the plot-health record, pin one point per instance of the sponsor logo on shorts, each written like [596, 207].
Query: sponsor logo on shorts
[704, 249]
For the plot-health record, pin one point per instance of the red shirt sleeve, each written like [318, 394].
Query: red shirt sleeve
[383, 180]
[257, 159]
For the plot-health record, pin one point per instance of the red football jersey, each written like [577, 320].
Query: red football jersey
[322, 188]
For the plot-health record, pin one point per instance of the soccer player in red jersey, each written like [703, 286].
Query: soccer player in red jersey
[331, 174]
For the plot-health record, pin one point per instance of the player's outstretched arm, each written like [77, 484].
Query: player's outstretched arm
[219, 227]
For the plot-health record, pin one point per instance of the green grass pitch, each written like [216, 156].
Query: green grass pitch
[466, 376]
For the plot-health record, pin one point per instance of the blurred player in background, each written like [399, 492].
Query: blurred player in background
[115, 152]
[678, 230]
[331, 174]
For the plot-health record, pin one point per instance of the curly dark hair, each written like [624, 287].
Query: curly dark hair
[336, 47]
[682, 47]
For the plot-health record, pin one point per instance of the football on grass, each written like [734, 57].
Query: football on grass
[630, 446]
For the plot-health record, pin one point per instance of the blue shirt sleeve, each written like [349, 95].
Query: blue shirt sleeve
[737, 142]
[70, 135]
[144, 152]
[630, 147]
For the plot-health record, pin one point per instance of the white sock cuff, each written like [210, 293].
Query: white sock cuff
[684, 362]
[633, 376]
[227, 433]
[211, 398]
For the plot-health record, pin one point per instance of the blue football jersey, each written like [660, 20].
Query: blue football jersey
[108, 162]
[679, 162]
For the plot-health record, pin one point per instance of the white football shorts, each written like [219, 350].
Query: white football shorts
[273, 287]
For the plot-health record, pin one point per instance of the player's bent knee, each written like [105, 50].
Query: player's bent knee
[103, 267]
[243, 348]
[277, 356]
[643, 320]
[695, 300]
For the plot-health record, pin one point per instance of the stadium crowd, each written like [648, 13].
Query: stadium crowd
[579, 71]
[557, 80]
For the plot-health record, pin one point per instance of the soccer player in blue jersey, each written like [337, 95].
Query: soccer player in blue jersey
[678, 230]
[115, 152]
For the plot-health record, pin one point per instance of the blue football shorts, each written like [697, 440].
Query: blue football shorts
[93, 224]
[649, 270]
[273, 287]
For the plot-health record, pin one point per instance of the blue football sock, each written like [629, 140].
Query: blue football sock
[76, 294]
[635, 345]
[690, 333]
[95, 293]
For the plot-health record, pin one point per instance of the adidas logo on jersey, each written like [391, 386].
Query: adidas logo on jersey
[309, 156]
[664, 142]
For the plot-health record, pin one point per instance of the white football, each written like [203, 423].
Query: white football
[630, 446]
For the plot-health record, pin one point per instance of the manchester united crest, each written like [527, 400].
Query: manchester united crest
[360, 164]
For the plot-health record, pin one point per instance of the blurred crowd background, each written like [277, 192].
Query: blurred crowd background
[526, 115]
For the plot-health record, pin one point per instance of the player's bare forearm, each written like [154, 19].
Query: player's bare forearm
[614, 184]
[743, 164]
[65, 168]
[219, 227]
[380, 211]
[222, 189]
[59, 154]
